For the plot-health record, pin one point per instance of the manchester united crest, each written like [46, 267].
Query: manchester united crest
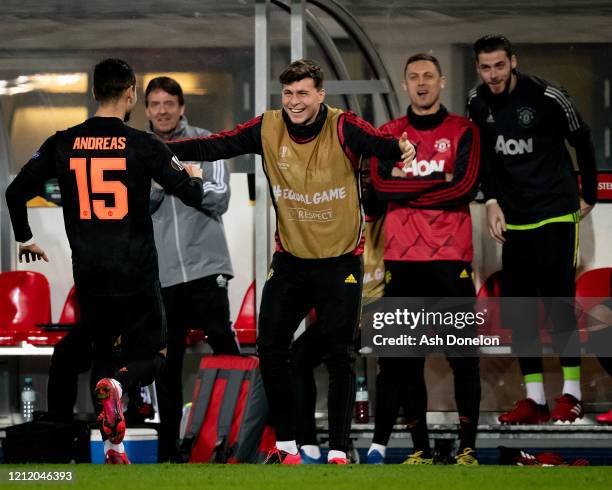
[442, 145]
[526, 116]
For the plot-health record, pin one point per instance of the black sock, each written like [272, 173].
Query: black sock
[420, 437]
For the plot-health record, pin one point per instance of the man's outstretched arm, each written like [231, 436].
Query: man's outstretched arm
[244, 139]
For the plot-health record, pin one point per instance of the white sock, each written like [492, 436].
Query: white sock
[572, 387]
[335, 454]
[117, 447]
[117, 386]
[535, 391]
[311, 451]
[378, 447]
[287, 446]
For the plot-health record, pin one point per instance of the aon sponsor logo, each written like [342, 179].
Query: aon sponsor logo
[512, 146]
[424, 167]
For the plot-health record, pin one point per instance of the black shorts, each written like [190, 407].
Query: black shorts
[139, 320]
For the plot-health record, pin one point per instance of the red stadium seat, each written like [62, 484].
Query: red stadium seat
[246, 323]
[591, 286]
[25, 301]
[55, 332]
[491, 288]
[71, 312]
[71, 315]
[594, 283]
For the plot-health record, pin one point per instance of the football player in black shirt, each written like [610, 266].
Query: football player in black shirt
[104, 169]
[533, 208]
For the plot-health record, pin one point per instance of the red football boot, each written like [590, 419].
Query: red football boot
[568, 409]
[113, 422]
[526, 411]
[115, 457]
[278, 456]
[605, 418]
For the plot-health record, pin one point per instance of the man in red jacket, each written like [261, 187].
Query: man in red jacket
[428, 252]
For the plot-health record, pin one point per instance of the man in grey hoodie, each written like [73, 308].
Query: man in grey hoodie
[194, 261]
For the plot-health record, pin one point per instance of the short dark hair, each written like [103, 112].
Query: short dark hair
[300, 69]
[492, 42]
[111, 78]
[423, 57]
[167, 84]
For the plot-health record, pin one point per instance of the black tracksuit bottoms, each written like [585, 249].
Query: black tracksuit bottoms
[401, 380]
[332, 286]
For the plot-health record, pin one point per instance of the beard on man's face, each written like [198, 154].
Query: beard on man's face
[126, 118]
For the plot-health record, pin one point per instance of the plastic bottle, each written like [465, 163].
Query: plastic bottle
[362, 406]
[28, 400]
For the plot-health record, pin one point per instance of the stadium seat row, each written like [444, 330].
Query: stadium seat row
[25, 308]
[25, 313]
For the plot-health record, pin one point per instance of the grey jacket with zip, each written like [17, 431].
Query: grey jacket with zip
[191, 244]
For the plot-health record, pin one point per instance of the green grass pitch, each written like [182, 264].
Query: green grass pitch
[314, 477]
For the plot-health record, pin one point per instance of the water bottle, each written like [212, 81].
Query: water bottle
[362, 408]
[28, 400]
[184, 420]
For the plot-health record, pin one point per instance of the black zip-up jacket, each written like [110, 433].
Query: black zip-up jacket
[104, 169]
[526, 165]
